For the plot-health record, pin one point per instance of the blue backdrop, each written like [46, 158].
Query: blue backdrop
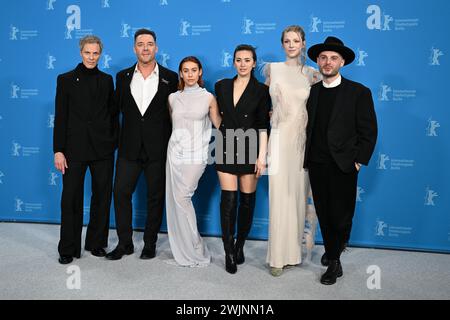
[402, 52]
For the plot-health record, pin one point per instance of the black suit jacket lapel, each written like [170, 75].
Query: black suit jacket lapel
[162, 82]
[230, 108]
[128, 76]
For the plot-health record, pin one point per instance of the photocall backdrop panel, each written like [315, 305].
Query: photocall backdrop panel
[401, 47]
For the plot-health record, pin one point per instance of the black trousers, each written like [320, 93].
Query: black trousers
[127, 175]
[334, 194]
[72, 206]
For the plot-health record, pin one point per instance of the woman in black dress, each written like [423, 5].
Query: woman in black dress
[241, 148]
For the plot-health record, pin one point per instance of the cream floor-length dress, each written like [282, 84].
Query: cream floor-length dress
[289, 186]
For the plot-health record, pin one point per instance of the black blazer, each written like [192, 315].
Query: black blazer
[85, 125]
[352, 130]
[153, 129]
[251, 112]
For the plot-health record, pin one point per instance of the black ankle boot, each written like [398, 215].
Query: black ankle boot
[245, 219]
[228, 204]
[333, 272]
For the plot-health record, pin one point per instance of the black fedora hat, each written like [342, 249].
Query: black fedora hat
[332, 44]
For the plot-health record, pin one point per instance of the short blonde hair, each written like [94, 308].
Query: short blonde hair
[91, 39]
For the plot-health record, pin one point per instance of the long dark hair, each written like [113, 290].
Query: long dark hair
[195, 60]
[246, 47]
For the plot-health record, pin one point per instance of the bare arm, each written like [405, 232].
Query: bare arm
[260, 164]
[267, 74]
[214, 114]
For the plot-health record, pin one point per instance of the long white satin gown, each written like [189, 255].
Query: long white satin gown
[187, 155]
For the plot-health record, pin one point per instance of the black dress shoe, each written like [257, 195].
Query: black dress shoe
[65, 259]
[240, 258]
[98, 252]
[333, 272]
[119, 252]
[148, 253]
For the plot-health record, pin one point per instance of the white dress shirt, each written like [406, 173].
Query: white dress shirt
[144, 90]
[335, 83]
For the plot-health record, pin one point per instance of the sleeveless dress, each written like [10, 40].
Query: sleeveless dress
[289, 186]
[187, 156]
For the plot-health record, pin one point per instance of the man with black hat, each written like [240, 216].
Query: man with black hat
[341, 136]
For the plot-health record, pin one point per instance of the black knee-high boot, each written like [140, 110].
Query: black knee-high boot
[245, 219]
[228, 204]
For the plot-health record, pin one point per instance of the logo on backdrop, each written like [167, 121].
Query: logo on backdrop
[249, 26]
[106, 59]
[125, 29]
[327, 26]
[431, 128]
[380, 20]
[360, 56]
[164, 58]
[73, 21]
[187, 29]
[383, 229]
[1, 177]
[379, 229]
[226, 59]
[16, 34]
[18, 203]
[26, 151]
[73, 24]
[105, 3]
[21, 206]
[383, 93]
[434, 57]
[51, 121]
[15, 150]
[384, 160]
[314, 24]
[15, 91]
[387, 93]
[18, 93]
[359, 192]
[50, 61]
[50, 4]
[429, 196]
[184, 25]
[246, 27]
[13, 33]
[163, 3]
[52, 178]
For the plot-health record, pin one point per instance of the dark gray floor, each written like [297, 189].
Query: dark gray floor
[29, 270]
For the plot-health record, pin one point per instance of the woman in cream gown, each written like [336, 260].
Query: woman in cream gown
[289, 84]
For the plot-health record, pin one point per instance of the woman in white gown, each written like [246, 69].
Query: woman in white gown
[289, 84]
[192, 110]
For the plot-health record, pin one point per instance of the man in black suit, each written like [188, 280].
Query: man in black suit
[341, 136]
[141, 94]
[84, 135]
